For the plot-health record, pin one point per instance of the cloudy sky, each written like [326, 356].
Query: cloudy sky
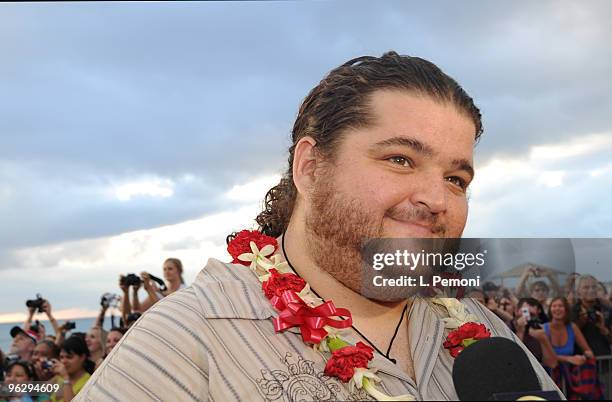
[131, 132]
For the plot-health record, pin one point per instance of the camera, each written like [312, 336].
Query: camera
[47, 365]
[525, 313]
[36, 303]
[131, 280]
[109, 300]
[69, 325]
[535, 323]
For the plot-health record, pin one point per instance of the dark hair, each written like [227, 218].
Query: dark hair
[51, 345]
[178, 264]
[27, 367]
[340, 102]
[132, 317]
[76, 345]
[530, 301]
[121, 330]
[81, 335]
[567, 318]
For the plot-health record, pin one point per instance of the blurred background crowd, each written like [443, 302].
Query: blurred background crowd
[60, 354]
[567, 326]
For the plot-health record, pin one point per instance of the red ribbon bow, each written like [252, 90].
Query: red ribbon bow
[295, 312]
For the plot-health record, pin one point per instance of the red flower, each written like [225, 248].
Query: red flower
[344, 361]
[242, 244]
[464, 336]
[278, 283]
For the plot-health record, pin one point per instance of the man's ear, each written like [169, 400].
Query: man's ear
[304, 164]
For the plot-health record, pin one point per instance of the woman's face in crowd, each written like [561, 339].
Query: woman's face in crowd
[557, 310]
[72, 362]
[41, 352]
[171, 272]
[112, 339]
[540, 293]
[588, 289]
[17, 375]
[93, 340]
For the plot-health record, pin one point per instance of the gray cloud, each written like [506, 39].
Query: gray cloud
[99, 93]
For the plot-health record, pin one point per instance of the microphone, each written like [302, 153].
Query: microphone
[496, 369]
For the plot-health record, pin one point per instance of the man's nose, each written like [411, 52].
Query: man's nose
[429, 190]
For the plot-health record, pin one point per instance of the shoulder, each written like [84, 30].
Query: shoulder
[161, 354]
[227, 290]
[167, 351]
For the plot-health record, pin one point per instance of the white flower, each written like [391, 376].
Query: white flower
[321, 346]
[309, 297]
[260, 264]
[281, 266]
[359, 375]
[456, 311]
[331, 333]
[366, 379]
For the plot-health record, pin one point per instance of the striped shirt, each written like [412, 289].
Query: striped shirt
[214, 340]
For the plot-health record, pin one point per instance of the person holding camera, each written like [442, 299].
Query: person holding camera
[73, 368]
[125, 283]
[60, 330]
[155, 288]
[46, 308]
[539, 289]
[43, 306]
[44, 352]
[592, 315]
[527, 326]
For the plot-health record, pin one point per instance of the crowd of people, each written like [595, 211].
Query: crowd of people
[68, 358]
[567, 328]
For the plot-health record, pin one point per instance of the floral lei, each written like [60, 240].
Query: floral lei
[319, 322]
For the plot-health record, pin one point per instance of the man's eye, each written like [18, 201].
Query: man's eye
[400, 160]
[458, 181]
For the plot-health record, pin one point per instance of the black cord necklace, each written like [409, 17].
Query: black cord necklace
[386, 355]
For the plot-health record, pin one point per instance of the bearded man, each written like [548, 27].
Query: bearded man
[382, 147]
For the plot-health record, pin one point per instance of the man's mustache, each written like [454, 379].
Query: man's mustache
[418, 215]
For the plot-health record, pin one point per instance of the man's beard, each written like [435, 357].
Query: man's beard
[337, 228]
